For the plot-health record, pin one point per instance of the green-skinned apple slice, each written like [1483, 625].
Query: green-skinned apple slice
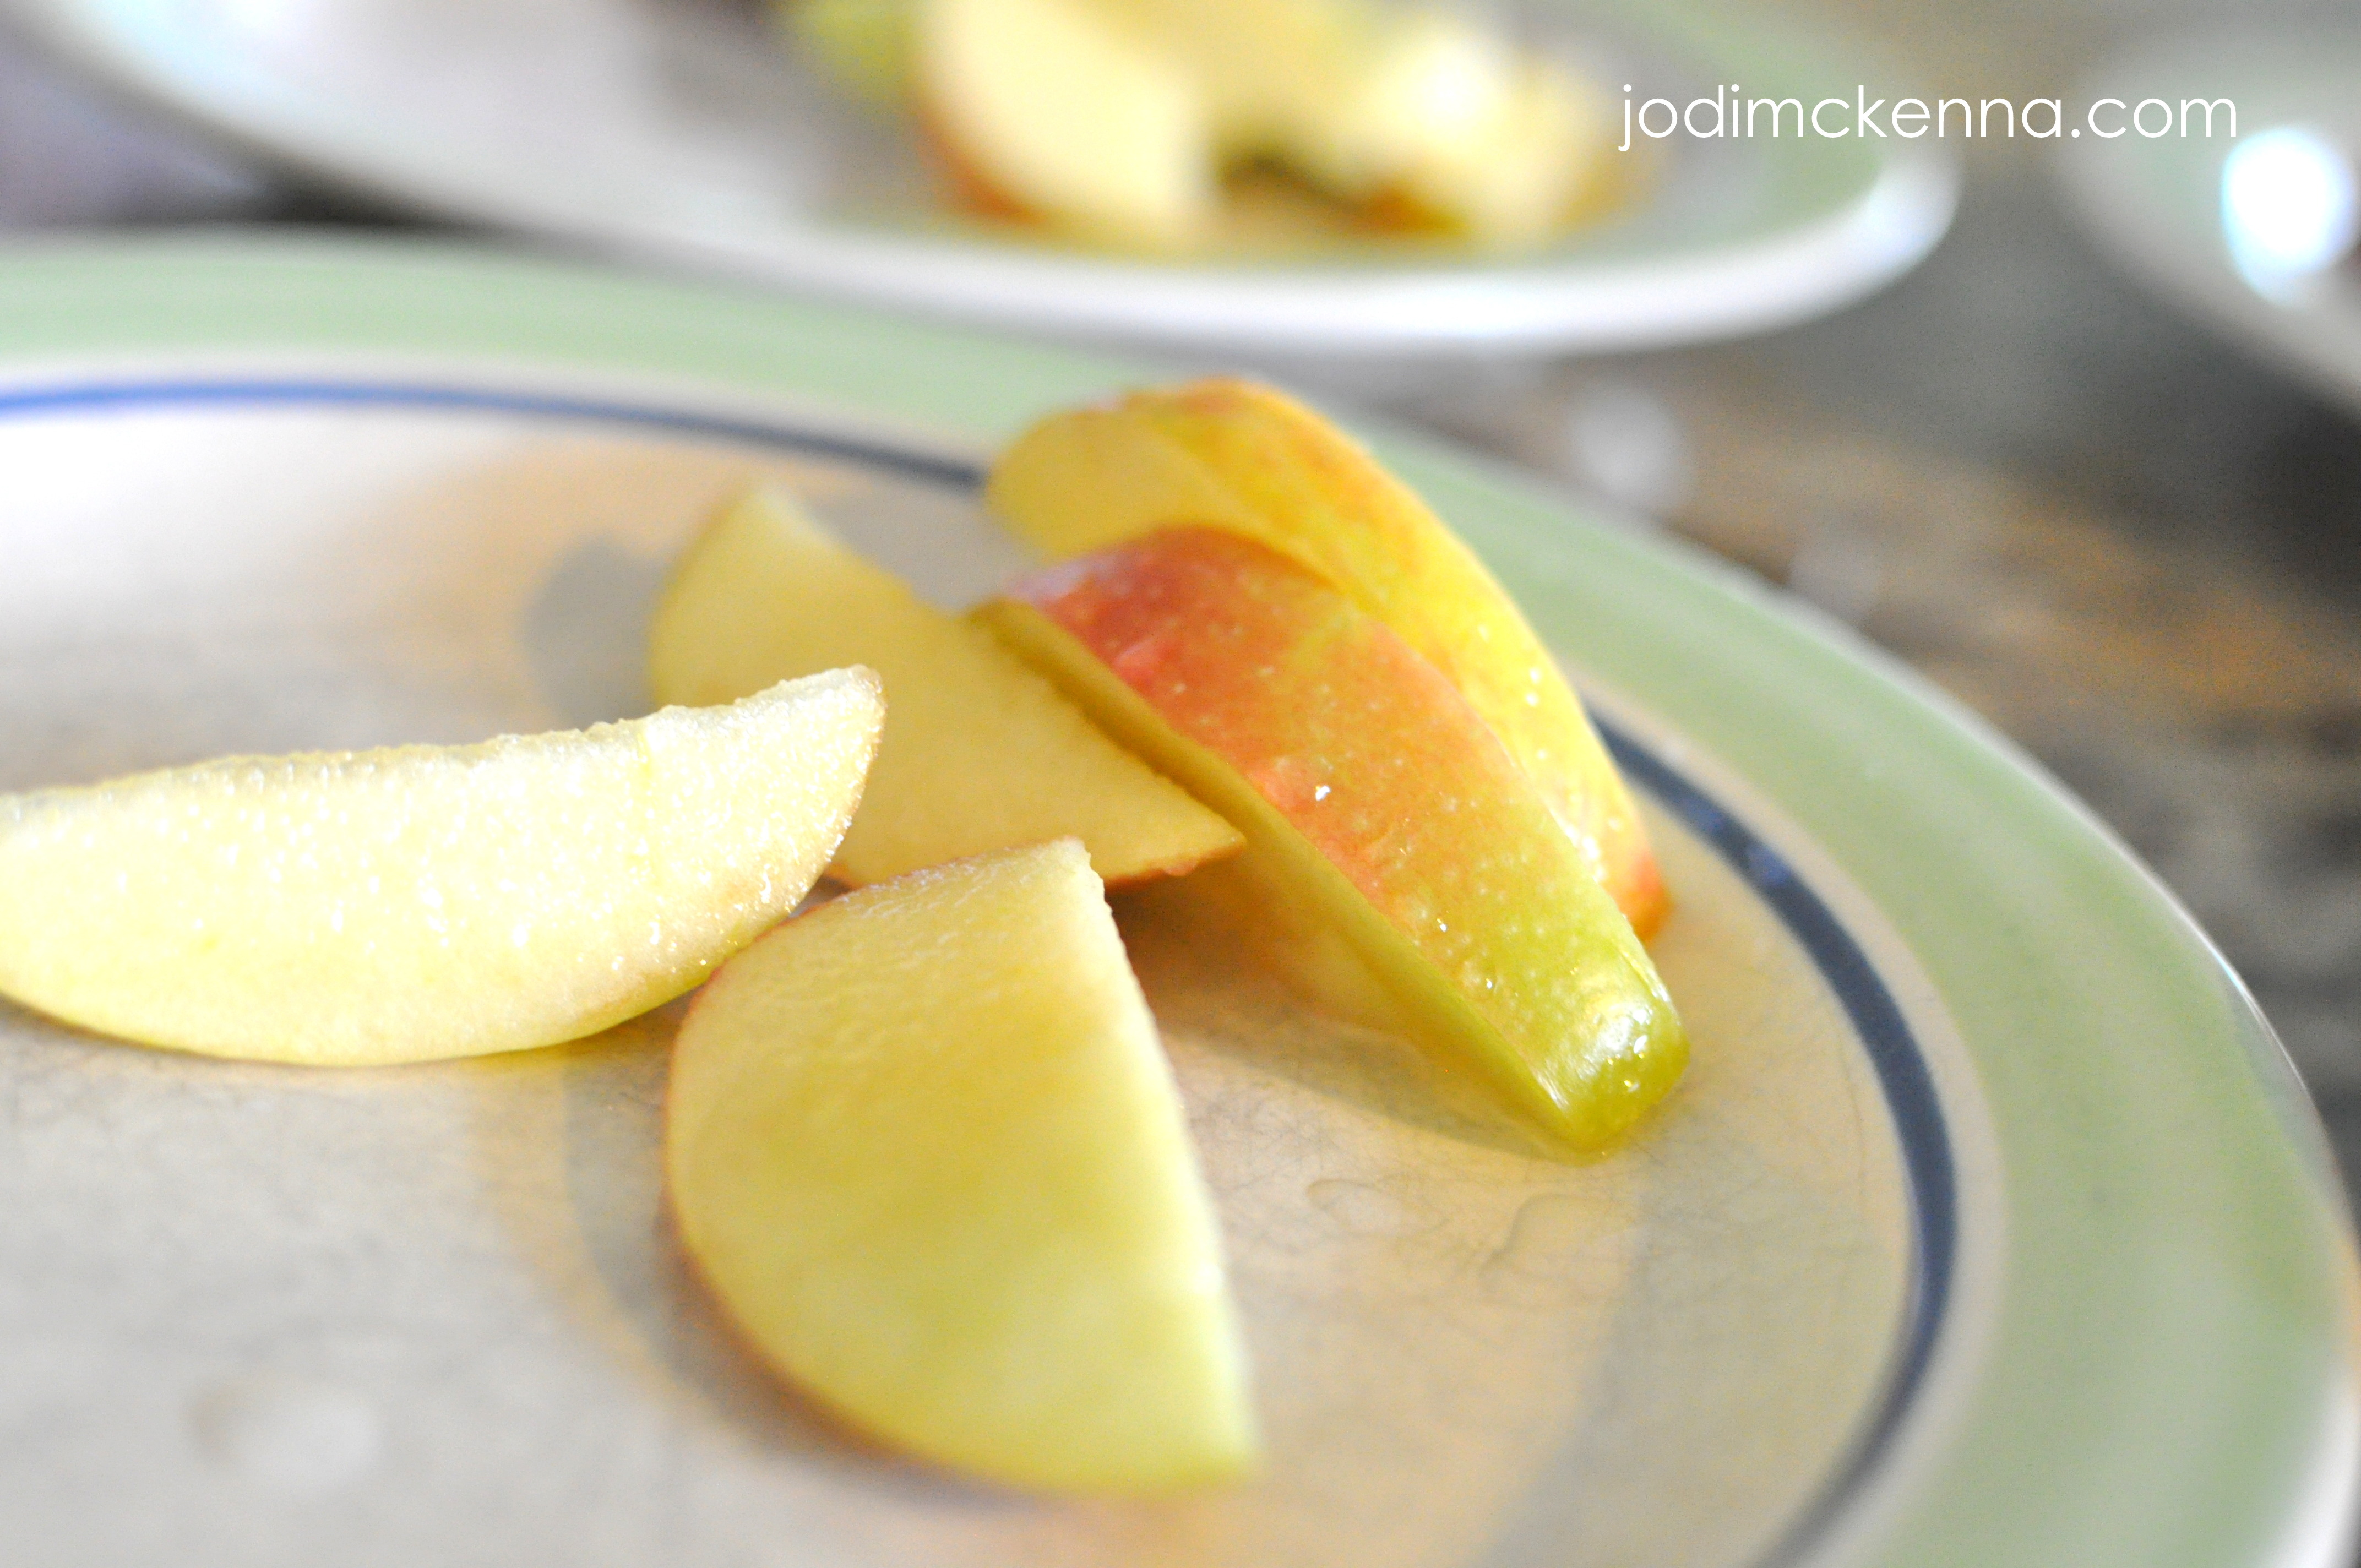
[1368, 789]
[1245, 458]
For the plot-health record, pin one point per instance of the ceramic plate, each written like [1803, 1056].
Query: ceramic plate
[2231, 231]
[1989, 1226]
[680, 131]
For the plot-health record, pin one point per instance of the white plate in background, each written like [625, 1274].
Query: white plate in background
[681, 132]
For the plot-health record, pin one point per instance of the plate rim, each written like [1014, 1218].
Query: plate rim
[172, 297]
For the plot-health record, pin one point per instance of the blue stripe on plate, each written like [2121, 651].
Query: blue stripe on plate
[134, 396]
[1902, 1071]
[1885, 1033]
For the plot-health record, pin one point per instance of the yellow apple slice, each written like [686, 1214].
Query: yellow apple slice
[1370, 790]
[1066, 115]
[1115, 116]
[1426, 85]
[923, 1145]
[1366, 101]
[1242, 458]
[1270, 70]
[1448, 114]
[416, 902]
[980, 753]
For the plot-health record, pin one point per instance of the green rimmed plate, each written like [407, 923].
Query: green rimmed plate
[1990, 1227]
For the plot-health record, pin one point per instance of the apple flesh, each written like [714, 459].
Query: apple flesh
[1062, 113]
[416, 902]
[924, 1146]
[979, 753]
[1452, 118]
[1242, 458]
[1368, 101]
[1371, 792]
[1115, 117]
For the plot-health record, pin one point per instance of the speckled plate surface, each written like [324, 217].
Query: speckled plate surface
[681, 131]
[1990, 1225]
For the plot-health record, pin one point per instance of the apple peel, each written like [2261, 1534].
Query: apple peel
[1241, 457]
[1369, 790]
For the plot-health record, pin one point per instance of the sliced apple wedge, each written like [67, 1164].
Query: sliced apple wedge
[1365, 101]
[924, 1146]
[367, 907]
[1117, 118]
[1370, 789]
[1064, 114]
[1239, 456]
[980, 752]
[1500, 146]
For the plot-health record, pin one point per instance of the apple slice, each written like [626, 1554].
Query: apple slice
[366, 907]
[924, 1146]
[1064, 114]
[1370, 789]
[1450, 114]
[1368, 101]
[1242, 458]
[1114, 117]
[980, 752]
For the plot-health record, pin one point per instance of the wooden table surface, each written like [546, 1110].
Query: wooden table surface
[2134, 550]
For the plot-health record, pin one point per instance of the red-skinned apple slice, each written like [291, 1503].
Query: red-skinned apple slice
[1369, 787]
[1247, 459]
